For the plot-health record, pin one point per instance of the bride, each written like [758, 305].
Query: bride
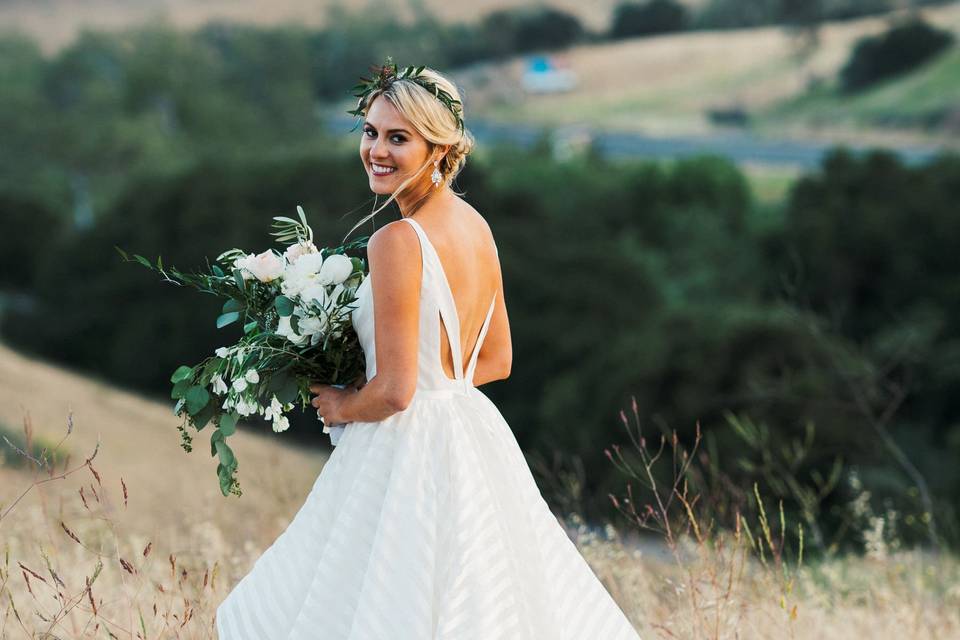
[426, 522]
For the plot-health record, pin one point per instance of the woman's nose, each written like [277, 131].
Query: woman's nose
[377, 150]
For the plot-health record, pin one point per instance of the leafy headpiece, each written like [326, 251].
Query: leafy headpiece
[387, 74]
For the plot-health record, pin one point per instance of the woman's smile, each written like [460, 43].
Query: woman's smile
[381, 169]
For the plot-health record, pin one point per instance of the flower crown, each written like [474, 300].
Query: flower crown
[387, 74]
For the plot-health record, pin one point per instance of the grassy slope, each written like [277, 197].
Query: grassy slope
[666, 84]
[140, 443]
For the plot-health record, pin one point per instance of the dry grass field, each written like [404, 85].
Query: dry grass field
[139, 543]
[666, 84]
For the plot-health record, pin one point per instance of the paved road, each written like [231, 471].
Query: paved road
[740, 148]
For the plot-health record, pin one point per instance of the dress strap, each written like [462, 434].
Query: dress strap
[475, 356]
[445, 300]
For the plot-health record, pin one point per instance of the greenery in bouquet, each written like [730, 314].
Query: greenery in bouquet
[294, 308]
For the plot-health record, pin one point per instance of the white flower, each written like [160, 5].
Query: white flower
[222, 352]
[295, 251]
[219, 386]
[239, 384]
[281, 423]
[301, 274]
[312, 325]
[284, 329]
[265, 267]
[335, 269]
[315, 293]
[274, 411]
[243, 265]
[246, 408]
[252, 376]
[228, 403]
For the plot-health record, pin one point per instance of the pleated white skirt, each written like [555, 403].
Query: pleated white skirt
[425, 526]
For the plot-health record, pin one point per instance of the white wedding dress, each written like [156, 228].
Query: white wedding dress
[427, 525]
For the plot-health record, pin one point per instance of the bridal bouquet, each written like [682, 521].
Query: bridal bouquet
[294, 308]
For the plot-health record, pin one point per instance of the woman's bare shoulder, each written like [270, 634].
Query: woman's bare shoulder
[396, 237]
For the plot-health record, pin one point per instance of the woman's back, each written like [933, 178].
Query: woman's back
[470, 266]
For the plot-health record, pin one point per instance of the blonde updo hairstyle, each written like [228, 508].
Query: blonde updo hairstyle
[433, 120]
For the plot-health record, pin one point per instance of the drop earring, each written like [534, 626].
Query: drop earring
[436, 176]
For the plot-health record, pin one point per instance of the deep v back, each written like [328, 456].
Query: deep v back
[437, 309]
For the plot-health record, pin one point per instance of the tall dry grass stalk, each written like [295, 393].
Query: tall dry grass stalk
[74, 565]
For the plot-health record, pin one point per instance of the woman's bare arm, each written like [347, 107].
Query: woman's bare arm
[396, 268]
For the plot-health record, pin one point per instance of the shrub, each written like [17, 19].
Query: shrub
[900, 49]
[656, 16]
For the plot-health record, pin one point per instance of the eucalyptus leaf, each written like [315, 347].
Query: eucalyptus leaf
[182, 373]
[180, 389]
[233, 305]
[225, 453]
[216, 436]
[228, 424]
[225, 481]
[204, 415]
[284, 306]
[197, 398]
[289, 391]
[227, 318]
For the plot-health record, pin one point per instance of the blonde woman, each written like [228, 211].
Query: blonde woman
[425, 523]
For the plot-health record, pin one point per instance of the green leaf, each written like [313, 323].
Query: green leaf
[295, 323]
[228, 423]
[233, 305]
[284, 306]
[197, 398]
[159, 263]
[216, 436]
[122, 252]
[217, 271]
[182, 373]
[225, 481]
[203, 417]
[238, 278]
[143, 261]
[288, 392]
[180, 389]
[250, 326]
[226, 318]
[225, 453]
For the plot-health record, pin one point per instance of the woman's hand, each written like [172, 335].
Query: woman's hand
[329, 401]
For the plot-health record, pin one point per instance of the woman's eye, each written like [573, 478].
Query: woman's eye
[396, 137]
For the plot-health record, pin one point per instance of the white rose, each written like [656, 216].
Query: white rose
[335, 269]
[298, 250]
[315, 293]
[266, 266]
[309, 264]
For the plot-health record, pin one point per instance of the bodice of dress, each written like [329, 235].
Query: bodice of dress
[436, 305]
